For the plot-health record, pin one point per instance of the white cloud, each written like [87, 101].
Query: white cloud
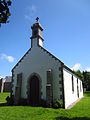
[6, 57]
[76, 67]
[1, 77]
[10, 58]
[27, 17]
[33, 8]
[30, 12]
[88, 69]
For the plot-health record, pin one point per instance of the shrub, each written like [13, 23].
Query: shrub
[23, 101]
[10, 100]
[43, 103]
[58, 104]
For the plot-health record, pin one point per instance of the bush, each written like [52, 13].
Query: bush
[23, 102]
[58, 104]
[43, 103]
[10, 100]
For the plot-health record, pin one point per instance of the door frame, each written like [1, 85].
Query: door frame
[28, 87]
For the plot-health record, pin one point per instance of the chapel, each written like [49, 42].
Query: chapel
[40, 76]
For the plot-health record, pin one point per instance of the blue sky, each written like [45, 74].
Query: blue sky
[66, 32]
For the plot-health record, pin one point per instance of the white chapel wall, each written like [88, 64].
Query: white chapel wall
[40, 42]
[80, 90]
[71, 96]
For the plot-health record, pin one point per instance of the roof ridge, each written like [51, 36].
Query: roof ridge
[50, 54]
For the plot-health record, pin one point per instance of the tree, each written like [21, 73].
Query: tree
[87, 80]
[85, 77]
[79, 74]
[4, 11]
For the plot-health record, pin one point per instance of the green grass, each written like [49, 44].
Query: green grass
[3, 97]
[81, 111]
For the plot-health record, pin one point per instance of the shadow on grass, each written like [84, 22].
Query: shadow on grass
[3, 104]
[87, 93]
[6, 104]
[75, 118]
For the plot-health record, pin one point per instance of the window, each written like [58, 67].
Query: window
[18, 86]
[72, 84]
[80, 87]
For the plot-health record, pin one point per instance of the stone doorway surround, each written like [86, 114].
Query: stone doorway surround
[30, 92]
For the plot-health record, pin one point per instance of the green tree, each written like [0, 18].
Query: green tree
[87, 80]
[85, 77]
[4, 11]
[79, 74]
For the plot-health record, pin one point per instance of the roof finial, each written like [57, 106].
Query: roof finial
[37, 19]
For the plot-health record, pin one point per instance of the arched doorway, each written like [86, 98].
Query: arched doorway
[34, 91]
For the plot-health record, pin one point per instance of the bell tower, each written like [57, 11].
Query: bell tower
[36, 38]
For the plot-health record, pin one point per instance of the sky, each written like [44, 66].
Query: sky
[66, 34]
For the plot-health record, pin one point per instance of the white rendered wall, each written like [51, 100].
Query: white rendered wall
[38, 61]
[35, 42]
[70, 96]
[40, 42]
[80, 91]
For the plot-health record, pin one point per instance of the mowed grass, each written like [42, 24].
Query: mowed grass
[81, 111]
[3, 97]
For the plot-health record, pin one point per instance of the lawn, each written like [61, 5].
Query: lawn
[81, 111]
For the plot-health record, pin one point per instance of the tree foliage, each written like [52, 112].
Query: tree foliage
[4, 11]
[79, 74]
[85, 77]
[87, 80]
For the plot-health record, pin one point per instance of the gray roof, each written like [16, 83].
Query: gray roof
[8, 79]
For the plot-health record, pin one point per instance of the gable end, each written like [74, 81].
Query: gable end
[21, 59]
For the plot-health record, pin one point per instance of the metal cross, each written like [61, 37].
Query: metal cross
[37, 19]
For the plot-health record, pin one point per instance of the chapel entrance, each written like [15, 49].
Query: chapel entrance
[34, 91]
